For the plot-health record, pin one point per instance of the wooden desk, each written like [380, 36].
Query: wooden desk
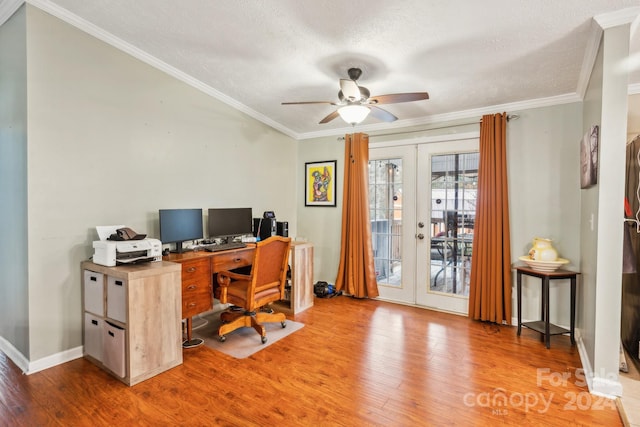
[200, 268]
[198, 271]
[544, 326]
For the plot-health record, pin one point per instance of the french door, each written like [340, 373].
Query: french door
[422, 209]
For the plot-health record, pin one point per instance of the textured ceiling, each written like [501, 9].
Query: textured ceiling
[473, 57]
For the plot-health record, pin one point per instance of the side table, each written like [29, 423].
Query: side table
[544, 326]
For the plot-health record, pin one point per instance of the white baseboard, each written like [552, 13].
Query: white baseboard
[12, 353]
[27, 367]
[599, 386]
[55, 359]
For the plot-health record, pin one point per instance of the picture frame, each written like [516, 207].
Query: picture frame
[589, 158]
[320, 183]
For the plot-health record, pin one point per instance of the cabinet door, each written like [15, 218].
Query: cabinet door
[93, 285]
[117, 299]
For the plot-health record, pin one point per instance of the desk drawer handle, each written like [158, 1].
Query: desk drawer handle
[191, 269]
[191, 287]
[237, 260]
[192, 304]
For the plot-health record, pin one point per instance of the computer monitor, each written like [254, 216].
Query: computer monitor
[180, 225]
[230, 222]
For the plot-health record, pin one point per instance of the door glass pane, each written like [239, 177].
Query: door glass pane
[454, 181]
[385, 211]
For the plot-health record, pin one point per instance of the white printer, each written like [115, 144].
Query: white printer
[111, 252]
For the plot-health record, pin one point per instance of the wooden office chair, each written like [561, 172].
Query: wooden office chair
[250, 293]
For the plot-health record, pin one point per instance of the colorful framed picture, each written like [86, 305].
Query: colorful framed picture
[320, 183]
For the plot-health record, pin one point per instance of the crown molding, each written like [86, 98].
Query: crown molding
[143, 56]
[8, 8]
[589, 60]
[619, 17]
[474, 114]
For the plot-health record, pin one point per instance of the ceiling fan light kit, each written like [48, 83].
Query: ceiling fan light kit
[354, 114]
[355, 102]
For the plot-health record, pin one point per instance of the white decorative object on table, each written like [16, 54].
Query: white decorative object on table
[543, 250]
[543, 256]
[544, 266]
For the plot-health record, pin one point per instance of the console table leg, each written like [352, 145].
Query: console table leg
[573, 309]
[519, 290]
[545, 291]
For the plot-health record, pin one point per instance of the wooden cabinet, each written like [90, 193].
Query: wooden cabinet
[301, 283]
[196, 287]
[132, 326]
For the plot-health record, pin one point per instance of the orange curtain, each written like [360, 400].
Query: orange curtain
[490, 293]
[356, 272]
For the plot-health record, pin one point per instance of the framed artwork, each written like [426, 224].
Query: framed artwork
[589, 158]
[320, 183]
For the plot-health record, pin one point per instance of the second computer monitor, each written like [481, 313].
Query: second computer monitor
[229, 222]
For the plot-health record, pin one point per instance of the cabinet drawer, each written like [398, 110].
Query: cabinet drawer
[117, 299]
[113, 347]
[94, 292]
[232, 260]
[93, 326]
[196, 270]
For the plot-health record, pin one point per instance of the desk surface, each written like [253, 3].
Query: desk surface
[190, 255]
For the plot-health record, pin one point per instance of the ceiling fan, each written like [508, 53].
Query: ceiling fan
[356, 103]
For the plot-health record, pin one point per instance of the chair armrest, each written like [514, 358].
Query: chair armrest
[225, 277]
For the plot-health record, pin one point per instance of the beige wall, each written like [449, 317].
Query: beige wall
[586, 310]
[14, 310]
[543, 158]
[111, 141]
[610, 214]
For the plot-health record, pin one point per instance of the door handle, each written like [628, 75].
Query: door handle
[420, 236]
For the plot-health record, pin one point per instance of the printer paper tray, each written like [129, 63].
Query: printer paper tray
[135, 260]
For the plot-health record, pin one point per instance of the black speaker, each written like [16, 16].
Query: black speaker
[282, 228]
[264, 227]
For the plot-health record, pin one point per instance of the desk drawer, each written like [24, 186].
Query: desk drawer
[196, 270]
[196, 298]
[196, 304]
[232, 260]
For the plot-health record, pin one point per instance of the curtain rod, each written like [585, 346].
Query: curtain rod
[509, 118]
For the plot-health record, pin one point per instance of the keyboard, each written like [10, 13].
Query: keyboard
[224, 246]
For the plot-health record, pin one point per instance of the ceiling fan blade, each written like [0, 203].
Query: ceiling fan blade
[381, 114]
[330, 117]
[350, 89]
[308, 102]
[398, 97]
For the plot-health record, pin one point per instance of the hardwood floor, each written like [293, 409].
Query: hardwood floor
[355, 363]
